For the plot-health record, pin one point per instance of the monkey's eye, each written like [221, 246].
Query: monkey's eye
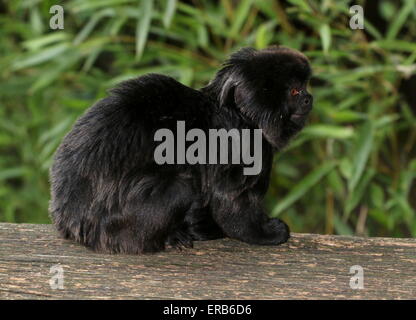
[294, 92]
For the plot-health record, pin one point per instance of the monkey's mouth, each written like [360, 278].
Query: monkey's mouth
[298, 117]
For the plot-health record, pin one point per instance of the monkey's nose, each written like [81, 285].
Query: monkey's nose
[307, 100]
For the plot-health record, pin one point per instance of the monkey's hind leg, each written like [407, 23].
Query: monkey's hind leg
[158, 206]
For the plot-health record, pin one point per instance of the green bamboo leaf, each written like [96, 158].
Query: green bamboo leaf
[398, 22]
[346, 115]
[117, 24]
[364, 145]
[48, 150]
[345, 168]
[55, 131]
[241, 15]
[395, 45]
[52, 74]
[169, 13]
[91, 59]
[302, 5]
[372, 30]
[11, 173]
[341, 227]
[351, 101]
[386, 120]
[408, 213]
[186, 77]
[387, 10]
[89, 27]
[41, 56]
[355, 196]
[143, 26]
[302, 187]
[354, 75]
[380, 216]
[203, 37]
[267, 8]
[36, 22]
[328, 131]
[377, 195]
[82, 5]
[37, 43]
[325, 33]
[336, 183]
[263, 35]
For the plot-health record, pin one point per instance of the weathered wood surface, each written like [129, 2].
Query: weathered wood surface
[308, 266]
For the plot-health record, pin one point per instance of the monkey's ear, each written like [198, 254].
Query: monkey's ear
[230, 93]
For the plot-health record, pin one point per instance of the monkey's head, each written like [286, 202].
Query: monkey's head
[268, 88]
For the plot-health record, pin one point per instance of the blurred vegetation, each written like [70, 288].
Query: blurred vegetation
[351, 171]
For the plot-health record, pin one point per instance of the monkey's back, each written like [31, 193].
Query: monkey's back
[109, 147]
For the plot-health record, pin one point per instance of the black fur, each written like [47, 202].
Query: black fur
[110, 195]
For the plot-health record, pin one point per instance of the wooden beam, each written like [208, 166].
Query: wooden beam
[307, 267]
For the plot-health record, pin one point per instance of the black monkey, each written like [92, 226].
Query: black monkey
[110, 195]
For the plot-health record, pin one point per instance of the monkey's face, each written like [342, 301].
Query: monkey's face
[271, 91]
[299, 102]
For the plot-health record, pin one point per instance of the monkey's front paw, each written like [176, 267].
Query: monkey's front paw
[277, 231]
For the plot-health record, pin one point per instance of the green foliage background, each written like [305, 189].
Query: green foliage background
[351, 171]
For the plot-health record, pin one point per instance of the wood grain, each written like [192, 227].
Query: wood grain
[307, 267]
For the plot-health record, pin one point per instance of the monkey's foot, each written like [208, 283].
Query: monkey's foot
[179, 239]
